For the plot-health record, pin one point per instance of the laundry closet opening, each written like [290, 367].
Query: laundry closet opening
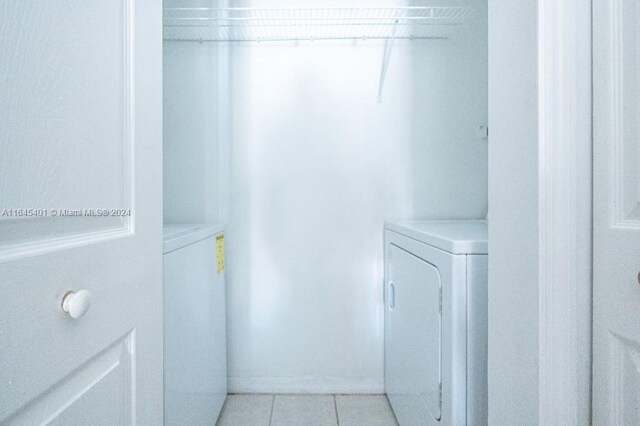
[299, 130]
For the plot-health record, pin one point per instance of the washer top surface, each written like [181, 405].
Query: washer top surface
[176, 235]
[453, 236]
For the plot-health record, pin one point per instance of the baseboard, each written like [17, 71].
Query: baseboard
[315, 385]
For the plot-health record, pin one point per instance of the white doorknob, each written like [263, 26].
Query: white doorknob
[76, 303]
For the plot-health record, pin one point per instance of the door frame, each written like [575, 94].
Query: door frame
[565, 211]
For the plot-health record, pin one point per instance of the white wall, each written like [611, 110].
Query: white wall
[513, 213]
[191, 143]
[316, 167]
[196, 128]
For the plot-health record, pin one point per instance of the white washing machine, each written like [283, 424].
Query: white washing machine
[195, 344]
[436, 321]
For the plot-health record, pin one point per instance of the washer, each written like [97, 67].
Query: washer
[436, 321]
[195, 345]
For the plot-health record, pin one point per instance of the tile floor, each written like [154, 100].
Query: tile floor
[307, 410]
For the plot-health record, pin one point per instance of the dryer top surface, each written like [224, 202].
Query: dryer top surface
[453, 236]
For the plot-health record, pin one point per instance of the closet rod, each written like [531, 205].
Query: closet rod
[264, 40]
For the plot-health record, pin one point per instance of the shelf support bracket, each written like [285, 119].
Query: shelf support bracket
[388, 47]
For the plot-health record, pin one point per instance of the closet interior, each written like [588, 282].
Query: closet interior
[293, 131]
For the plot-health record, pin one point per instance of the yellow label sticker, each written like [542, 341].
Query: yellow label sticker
[220, 252]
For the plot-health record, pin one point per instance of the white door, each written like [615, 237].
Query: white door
[616, 294]
[80, 128]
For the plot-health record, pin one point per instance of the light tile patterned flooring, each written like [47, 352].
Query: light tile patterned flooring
[306, 410]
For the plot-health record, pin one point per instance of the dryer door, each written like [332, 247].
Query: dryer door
[413, 372]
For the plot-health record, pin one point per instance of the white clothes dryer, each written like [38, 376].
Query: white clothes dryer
[436, 321]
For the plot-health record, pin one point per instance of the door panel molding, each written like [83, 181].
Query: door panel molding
[27, 236]
[625, 207]
[624, 362]
[118, 359]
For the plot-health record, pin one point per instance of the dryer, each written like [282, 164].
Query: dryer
[436, 321]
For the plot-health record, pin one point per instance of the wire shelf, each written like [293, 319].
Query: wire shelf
[253, 24]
